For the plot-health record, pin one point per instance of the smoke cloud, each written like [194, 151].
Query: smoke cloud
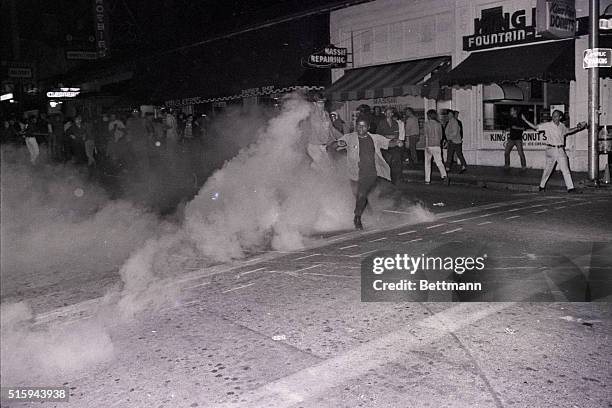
[57, 226]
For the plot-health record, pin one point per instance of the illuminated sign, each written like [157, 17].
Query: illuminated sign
[6, 97]
[64, 93]
[556, 18]
[101, 28]
[329, 57]
[19, 72]
[497, 29]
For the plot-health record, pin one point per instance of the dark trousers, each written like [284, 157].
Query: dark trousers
[519, 148]
[455, 148]
[393, 157]
[361, 189]
[412, 142]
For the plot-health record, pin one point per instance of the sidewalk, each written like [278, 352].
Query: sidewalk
[497, 178]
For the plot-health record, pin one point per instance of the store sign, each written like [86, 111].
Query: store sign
[264, 90]
[496, 139]
[556, 18]
[6, 97]
[64, 93]
[19, 72]
[101, 28]
[184, 102]
[495, 28]
[82, 55]
[597, 58]
[329, 57]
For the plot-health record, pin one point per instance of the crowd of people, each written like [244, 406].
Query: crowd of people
[111, 141]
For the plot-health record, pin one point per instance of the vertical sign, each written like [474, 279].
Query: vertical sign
[101, 28]
[556, 18]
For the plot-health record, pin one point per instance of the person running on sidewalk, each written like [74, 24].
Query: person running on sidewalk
[556, 132]
[455, 142]
[412, 135]
[390, 128]
[365, 163]
[433, 139]
[515, 138]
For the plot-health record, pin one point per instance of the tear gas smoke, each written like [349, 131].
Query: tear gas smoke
[56, 227]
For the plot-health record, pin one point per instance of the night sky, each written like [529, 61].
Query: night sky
[150, 32]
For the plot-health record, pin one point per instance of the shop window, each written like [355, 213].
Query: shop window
[535, 103]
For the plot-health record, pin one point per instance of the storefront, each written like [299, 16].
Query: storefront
[499, 60]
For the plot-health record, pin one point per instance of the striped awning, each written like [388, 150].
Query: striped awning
[380, 81]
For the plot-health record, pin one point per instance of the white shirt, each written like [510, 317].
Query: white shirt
[555, 134]
[402, 129]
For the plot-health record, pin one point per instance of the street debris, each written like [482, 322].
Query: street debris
[509, 330]
[588, 323]
[440, 204]
[279, 337]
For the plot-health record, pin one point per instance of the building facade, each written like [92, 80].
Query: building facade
[498, 60]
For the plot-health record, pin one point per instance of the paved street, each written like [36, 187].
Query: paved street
[288, 329]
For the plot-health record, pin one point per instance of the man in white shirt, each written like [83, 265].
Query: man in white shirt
[555, 133]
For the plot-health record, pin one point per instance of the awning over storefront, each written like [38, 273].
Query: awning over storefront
[552, 61]
[398, 79]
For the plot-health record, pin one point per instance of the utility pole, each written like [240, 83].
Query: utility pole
[593, 95]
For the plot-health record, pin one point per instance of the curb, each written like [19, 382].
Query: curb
[495, 183]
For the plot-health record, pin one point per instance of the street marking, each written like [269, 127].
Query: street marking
[514, 216]
[407, 232]
[485, 223]
[239, 287]
[515, 209]
[337, 238]
[461, 220]
[307, 256]
[560, 207]
[349, 246]
[330, 275]
[307, 268]
[398, 212]
[248, 272]
[365, 253]
[379, 239]
[435, 226]
[197, 286]
[451, 231]
[541, 211]
[316, 380]
[252, 260]
[416, 239]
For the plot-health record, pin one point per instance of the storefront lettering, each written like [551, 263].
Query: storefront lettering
[329, 57]
[184, 102]
[496, 139]
[556, 18]
[495, 29]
